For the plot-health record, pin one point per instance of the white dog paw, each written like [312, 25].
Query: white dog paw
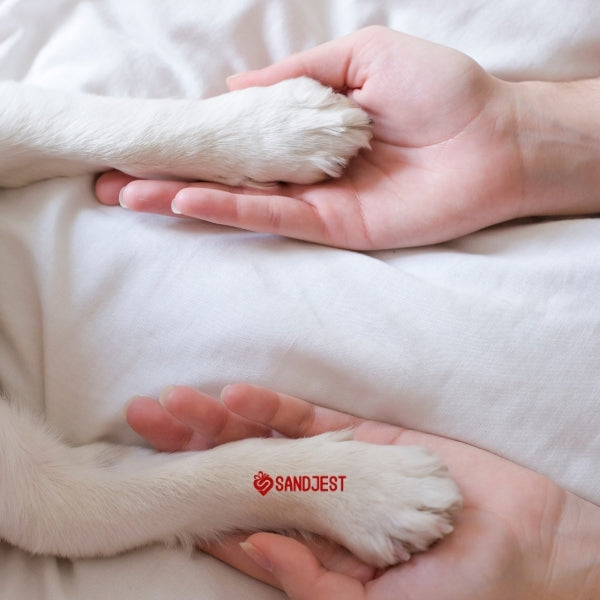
[300, 132]
[296, 131]
[397, 500]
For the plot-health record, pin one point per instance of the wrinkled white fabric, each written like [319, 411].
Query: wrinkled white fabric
[493, 338]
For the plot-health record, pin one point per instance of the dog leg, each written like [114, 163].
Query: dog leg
[297, 131]
[101, 500]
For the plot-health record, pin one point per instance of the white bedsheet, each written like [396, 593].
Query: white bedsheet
[493, 338]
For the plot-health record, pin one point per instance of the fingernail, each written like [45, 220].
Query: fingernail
[122, 197]
[232, 77]
[162, 398]
[258, 557]
[224, 392]
[175, 208]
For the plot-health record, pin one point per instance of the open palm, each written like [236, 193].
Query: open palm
[444, 158]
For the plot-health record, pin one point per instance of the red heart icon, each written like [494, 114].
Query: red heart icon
[263, 483]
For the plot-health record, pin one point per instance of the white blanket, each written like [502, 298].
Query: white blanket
[493, 338]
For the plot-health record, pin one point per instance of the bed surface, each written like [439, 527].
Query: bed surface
[493, 338]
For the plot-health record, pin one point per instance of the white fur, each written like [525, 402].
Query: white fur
[99, 500]
[296, 131]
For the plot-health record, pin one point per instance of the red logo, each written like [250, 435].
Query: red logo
[263, 483]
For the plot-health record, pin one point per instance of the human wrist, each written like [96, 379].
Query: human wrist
[558, 136]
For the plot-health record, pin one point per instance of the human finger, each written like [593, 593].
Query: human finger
[298, 570]
[208, 417]
[293, 211]
[163, 431]
[332, 556]
[288, 415]
[229, 551]
[272, 211]
[330, 63]
[149, 195]
[143, 195]
[109, 185]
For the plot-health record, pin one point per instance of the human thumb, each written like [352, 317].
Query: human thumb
[300, 574]
[327, 63]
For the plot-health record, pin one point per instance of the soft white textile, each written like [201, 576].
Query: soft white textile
[493, 338]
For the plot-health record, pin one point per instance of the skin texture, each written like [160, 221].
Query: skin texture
[519, 535]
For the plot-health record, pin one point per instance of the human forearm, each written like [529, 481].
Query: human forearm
[558, 131]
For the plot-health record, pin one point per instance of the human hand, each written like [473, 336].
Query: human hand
[519, 535]
[444, 161]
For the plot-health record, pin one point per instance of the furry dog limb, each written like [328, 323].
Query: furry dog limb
[100, 500]
[296, 131]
